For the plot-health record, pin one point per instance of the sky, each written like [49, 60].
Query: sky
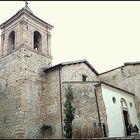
[105, 33]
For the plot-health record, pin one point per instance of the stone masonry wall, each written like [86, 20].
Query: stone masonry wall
[35, 90]
[53, 103]
[22, 94]
[11, 92]
[74, 72]
[85, 103]
[102, 109]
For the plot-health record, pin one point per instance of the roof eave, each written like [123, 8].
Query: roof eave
[25, 12]
[132, 63]
[104, 83]
[91, 67]
[71, 63]
[54, 67]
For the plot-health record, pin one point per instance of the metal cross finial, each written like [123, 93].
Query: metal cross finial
[26, 3]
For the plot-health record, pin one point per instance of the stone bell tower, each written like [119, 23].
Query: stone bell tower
[24, 28]
[25, 51]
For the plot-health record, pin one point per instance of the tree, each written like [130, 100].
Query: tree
[69, 111]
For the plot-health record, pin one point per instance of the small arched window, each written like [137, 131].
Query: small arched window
[12, 40]
[84, 78]
[37, 40]
[123, 103]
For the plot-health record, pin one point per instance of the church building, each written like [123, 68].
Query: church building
[32, 90]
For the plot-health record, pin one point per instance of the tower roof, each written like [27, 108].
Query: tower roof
[25, 10]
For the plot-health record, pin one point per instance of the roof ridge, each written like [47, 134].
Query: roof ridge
[131, 63]
[73, 62]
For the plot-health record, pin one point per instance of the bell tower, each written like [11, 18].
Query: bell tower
[26, 29]
[25, 51]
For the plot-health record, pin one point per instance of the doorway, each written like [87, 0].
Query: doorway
[126, 121]
[125, 115]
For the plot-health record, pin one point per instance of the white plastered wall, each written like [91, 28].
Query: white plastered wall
[115, 118]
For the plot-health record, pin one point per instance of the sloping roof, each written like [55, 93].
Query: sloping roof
[104, 83]
[28, 11]
[72, 63]
[85, 61]
[125, 64]
[132, 63]
[111, 70]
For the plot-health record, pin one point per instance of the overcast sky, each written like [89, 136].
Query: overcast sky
[105, 33]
